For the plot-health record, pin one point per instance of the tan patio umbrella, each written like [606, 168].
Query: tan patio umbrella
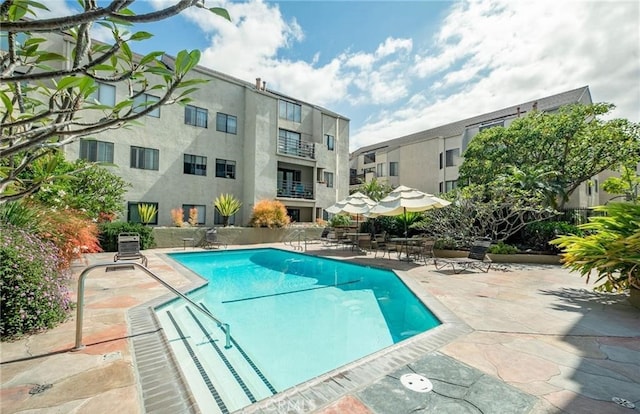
[357, 203]
[403, 199]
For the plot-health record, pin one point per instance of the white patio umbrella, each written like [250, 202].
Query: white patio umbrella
[357, 203]
[403, 199]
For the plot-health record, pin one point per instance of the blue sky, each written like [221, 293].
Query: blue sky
[398, 67]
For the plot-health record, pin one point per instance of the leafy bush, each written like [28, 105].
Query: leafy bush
[340, 220]
[21, 214]
[108, 234]
[503, 248]
[79, 185]
[269, 213]
[32, 284]
[538, 235]
[610, 248]
[71, 232]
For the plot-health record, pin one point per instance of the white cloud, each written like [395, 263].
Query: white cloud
[392, 46]
[485, 55]
[498, 54]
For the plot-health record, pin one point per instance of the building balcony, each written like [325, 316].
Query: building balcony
[295, 147]
[295, 189]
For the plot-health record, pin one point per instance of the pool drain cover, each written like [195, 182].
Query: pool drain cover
[623, 402]
[40, 389]
[416, 382]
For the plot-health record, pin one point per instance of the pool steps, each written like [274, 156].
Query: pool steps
[223, 380]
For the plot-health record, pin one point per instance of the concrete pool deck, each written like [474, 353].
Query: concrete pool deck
[538, 341]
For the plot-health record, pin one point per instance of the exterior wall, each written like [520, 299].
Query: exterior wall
[419, 154]
[254, 148]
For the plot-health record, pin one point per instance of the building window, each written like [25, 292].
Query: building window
[393, 168]
[105, 94]
[294, 214]
[450, 185]
[142, 102]
[491, 125]
[441, 187]
[225, 168]
[195, 116]
[370, 158]
[186, 212]
[145, 158]
[96, 151]
[331, 142]
[441, 162]
[195, 164]
[380, 170]
[226, 123]
[290, 111]
[452, 157]
[328, 178]
[133, 215]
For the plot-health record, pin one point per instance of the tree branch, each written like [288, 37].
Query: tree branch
[111, 11]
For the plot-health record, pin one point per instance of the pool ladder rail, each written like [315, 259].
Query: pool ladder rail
[298, 240]
[80, 305]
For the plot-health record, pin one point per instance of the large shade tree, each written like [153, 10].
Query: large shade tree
[48, 100]
[553, 153]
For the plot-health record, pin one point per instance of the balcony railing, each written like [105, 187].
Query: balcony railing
[292, 146]
[295, 189]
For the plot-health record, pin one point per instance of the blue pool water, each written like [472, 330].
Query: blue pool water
[299, 316]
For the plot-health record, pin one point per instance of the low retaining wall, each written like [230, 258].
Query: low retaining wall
[506, 258]
[173, 236]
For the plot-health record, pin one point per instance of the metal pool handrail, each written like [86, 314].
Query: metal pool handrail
[79, 314]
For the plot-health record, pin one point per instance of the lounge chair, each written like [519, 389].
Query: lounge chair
[211, 240]
[477, 258]
[129, 248]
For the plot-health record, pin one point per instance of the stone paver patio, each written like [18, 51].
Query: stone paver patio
[539, 341]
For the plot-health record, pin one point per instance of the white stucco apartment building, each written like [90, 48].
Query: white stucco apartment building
[235, 137]
[429, 160]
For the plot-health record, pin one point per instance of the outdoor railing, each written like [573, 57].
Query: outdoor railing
[292, 146]
[295, 189]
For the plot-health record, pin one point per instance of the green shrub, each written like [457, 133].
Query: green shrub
[21, 214]
[538, 235]
[610, 248]
[503, 248]
[79, 185]
[109, 234]
[446, 243]
[32, 284]
[340, 220]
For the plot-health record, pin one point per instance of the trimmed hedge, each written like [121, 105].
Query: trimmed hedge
[109, 235]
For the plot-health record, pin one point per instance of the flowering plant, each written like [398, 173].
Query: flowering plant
[33, 286]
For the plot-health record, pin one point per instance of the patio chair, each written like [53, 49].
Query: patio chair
[211, 240]
[477, 258]
[129, 248]
[324, 236]
[423, 249]
[381, 244]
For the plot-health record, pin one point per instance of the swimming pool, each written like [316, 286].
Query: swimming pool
[292, 317]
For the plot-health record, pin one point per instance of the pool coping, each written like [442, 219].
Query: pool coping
[164, 389]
